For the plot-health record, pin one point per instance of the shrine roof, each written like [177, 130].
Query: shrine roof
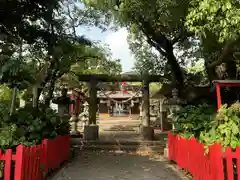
[117, 94]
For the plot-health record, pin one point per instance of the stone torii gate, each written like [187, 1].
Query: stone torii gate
[91, 130]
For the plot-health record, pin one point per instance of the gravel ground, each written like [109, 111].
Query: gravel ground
[100, 165]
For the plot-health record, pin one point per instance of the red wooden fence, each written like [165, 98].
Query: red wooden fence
[33, 163]
[190, 155]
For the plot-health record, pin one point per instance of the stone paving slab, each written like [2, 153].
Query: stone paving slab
[103, 165]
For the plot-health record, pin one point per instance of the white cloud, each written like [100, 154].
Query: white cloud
[117, 42]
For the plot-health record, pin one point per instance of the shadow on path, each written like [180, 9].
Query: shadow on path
[104, 165]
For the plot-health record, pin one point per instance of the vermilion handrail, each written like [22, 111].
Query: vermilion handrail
[190, 155]
[224, 83]
[34, 163]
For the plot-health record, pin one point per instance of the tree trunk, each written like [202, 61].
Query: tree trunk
[231, 68]
[212, 75]
[56, 74]
[165, 47]
[50, 92]
[14, 99]
[177, 75]
[35, 96]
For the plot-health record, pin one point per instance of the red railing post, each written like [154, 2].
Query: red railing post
[190, 155]
[218, 92]
[229, 159]
[238, 160]
[216, 162]
[19, 164]
[171, 145]
[35, 162]
[45, 155]
[7, 164]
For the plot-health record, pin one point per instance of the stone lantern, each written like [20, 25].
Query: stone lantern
[63, 103]
[84, 116]
[174, 105]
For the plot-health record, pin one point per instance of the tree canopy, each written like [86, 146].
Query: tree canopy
[219, 17]
[40, 45]
[169, 36]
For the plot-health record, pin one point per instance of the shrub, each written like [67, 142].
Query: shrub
[29, 126]
[209, 126]
[191, 120]
[225, 129]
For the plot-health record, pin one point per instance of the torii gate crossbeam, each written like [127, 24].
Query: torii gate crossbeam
[91, 131]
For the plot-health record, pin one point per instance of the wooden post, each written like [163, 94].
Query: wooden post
[92, 101]
[147, 130]
[218, 91]
[145, 104]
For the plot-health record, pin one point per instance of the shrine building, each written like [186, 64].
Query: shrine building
[120, 103]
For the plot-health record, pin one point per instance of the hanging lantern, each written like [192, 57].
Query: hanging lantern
[124, 84]
[122, 87]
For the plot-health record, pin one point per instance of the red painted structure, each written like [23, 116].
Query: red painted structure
[75, 96]
[35, 162]
[190, 155]
[224, 83]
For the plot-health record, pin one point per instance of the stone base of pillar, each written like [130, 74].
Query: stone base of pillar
[165, 152]
[91, 132]
[76, 134]
[147, 133]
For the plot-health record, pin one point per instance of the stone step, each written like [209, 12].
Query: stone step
[122, 128]
[118, 125]
[121, 143]
[76, 141]
[113, 127]
[126, 148]
[119, 122]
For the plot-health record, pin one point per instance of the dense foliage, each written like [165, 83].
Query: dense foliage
[220, 17]
[41, 50]
[168, 37]
[225, 129]
[191, 120]
[29, 126]
[209, 127]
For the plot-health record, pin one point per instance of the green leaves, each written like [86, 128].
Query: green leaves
[30, 126]
[220, 17]
[235, 129]
[223, 128]
[194, 119]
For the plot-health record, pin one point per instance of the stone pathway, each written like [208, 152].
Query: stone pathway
[103, 165]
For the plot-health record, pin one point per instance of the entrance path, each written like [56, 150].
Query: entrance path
[104, 165]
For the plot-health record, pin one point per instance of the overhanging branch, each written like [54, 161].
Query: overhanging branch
[83, 58]
[181, 37]
[151, 42]
[228, 48]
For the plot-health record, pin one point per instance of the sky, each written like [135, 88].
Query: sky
[117, 42]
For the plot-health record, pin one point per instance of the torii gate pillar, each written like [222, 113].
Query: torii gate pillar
[91, 131]
[147, 131]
